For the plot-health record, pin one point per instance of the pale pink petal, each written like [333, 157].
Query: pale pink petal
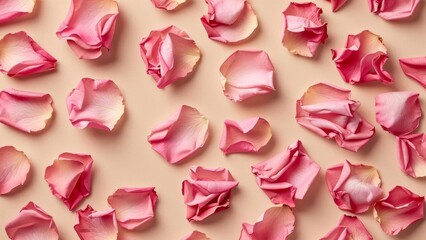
[337, 4]
[133, 206]
[89, 27]
[277, 223]
[286, 176]
[391, 9]
[398, 112]
[353, 187]
[329, 112]
[349, 228]
[229, 20]
[412, 154]
[14, 168]
[196, 235]
[363, 59]
[32, 223]
[181, 135]
[169, 55]
[70, 177]
[208, 191]
[12, 9]
[95, 104]
[399, 210]
[167, 4]
[303, 30]
[96, 225]
[26, 111]
[415, 68]
[245, 74]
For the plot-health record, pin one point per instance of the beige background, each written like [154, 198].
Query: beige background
[124, 158]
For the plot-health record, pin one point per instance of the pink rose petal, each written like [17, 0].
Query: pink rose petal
[26, 111]
[328, 111]
[181, 135]
[14, 168]
[286, 176]
[398, 112]
[415, 68]
[96, 225]
[349, 228]
[399, 210]
[354, 188]
[89, 27]
[391, 9]
[337, 4]
[169, 55]
[95, 104]
[412, 154]
[167, 4]
[245, 74]
[196, 235]
[363, 59]
[133, 206]
[208, 191]
[229, 20]
[303, 30]
[12, 9]
[32, 223]
[70, 177]
[276, 223]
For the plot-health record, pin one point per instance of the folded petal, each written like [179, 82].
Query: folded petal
[96, 225]
[70, 177]
[363, 59]
[349, 228]
[196, 235]
[89, 27]
[167, 4]
[303, 30]
[398, 112]
[208, 191]
[245, 74]
[412, 154]
[337, 4]
[181, 135]
[14, 168]
[415, 68]
[26, 111]
[354, 188]
[275, 223]
[95, 104]
[399, 210]
[286, 176]
[391, 9]
[32, 223]
[169, 55]
[11, 9]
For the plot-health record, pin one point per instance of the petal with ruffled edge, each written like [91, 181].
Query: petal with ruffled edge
[412, 154]
[196, 235]
[393, 10]
[414, 68]
[349, 228]
[12, 9]
[167, 4]
[96, 225]
[14, 168]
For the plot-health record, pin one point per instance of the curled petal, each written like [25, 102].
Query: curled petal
[169, 55]
[363, 59]
[32, 223]
[303, 30]
[412, 154]
[133, 206]
[89, 27]
[391, 9]
[95, 104]
[349, 228]
[167, 4]
[398, 112]
[196, 235]
[399, 210]
[96, 225]
[415, 68]
[208, 191]
[353, 187]
[69, 178]
[12, 9]
[287, 176]
[245, 74]
[26, 111]
[181, 135]
[337, 4]
[14, 168]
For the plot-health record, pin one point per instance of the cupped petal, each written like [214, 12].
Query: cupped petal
[412, 154]
[349, 228]
[167, 4]
[196, 235]
[337, 4]
[26, 111]
[95, 104]
[415, 68]
[393, 10]
[96, 225]
[14, 168]
[12, 9]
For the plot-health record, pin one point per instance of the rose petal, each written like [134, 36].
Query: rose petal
[398, 210]
[398, 112]
[229, 20]
[12, 9]
[208, 191]
[167, 4]
[32, 223]
[70, 177]
[349, 228]
[14, 168]
[328, 111]
[337, 4]
[286, 176]
[354, 188]
[96, 225]
[391, 9]
[245, 74]
[26, 111]
[412, 154]
[169, 55]
[363, 59]
[95, 104]
[89, 27]
[181, 135]
[133, 206]
[275, 223]
[415, 68]
[196, 235]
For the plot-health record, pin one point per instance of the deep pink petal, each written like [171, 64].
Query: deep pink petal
[96, 225]
[391, 9]
[415, 68]
[337, 4]
[412, 154]
[11, 9]
[196, 235]
[349, 228]
[167, 4]
[14, 168]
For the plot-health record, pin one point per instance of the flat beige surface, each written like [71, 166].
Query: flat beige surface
[124, 157]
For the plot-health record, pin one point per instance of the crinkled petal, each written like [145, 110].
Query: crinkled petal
[96, 225]
[391, 9]
[167, 4]
[415, 68]
[14, 168]
[12, 9]
[337, 4]
[412, 154]
[196, 235]
[349, 228]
